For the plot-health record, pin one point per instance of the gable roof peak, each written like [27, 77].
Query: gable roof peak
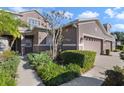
[34, 11]
[88, 19]
[29, 11]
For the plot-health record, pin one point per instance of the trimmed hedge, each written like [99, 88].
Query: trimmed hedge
[120, 47]
[122, 55]
[116, 50]
[85, 59]
[54, 74]
[8, 70]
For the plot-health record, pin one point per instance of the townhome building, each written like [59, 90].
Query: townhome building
[81, 34]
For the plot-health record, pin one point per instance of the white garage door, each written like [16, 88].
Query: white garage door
[92, 44]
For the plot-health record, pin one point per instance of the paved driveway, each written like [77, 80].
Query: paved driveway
[95, 76]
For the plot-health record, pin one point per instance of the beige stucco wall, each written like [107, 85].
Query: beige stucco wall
[92, 29]
[39, 41]
[69, 38]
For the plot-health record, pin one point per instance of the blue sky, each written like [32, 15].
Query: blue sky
[112, 15]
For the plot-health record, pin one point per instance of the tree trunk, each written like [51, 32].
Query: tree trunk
[50, 50]
[12, 43]
[53, 48]
[56, 40]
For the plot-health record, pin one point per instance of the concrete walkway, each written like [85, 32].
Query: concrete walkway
[26, 76]
[95, 76]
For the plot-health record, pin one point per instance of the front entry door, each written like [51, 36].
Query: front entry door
[28, 45]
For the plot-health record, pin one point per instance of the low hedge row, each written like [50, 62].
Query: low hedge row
[120, 47]
[85, 59]
[51, 73]
[8, 69]
[7, 54]
[116, 50]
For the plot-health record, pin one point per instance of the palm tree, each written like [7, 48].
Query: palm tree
[9, 25]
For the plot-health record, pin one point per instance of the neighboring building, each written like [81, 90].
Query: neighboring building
[119, 42]
[33, 39]
[88, 34]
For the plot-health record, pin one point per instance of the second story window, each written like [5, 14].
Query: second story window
[34, 22]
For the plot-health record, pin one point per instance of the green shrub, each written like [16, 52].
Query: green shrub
[38, 59]
[54, 74]
[50, 71]
[116, 50]
[122, 55]
[8, 70]
[114, 77]
[120, 47]
[74, 67]
[7, 54]
[6, 80]
[83, 58]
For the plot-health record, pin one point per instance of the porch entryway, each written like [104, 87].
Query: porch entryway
[26, 44]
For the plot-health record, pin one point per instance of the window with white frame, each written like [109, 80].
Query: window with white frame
[33, 22]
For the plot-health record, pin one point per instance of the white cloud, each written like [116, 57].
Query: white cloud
[110, 13]
[68, 15]
[88, 14]
[120, 15]
[117, 8]
[118, 27]
[17, 9]
[113, 13]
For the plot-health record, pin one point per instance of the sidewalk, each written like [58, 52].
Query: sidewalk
[26, 76]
